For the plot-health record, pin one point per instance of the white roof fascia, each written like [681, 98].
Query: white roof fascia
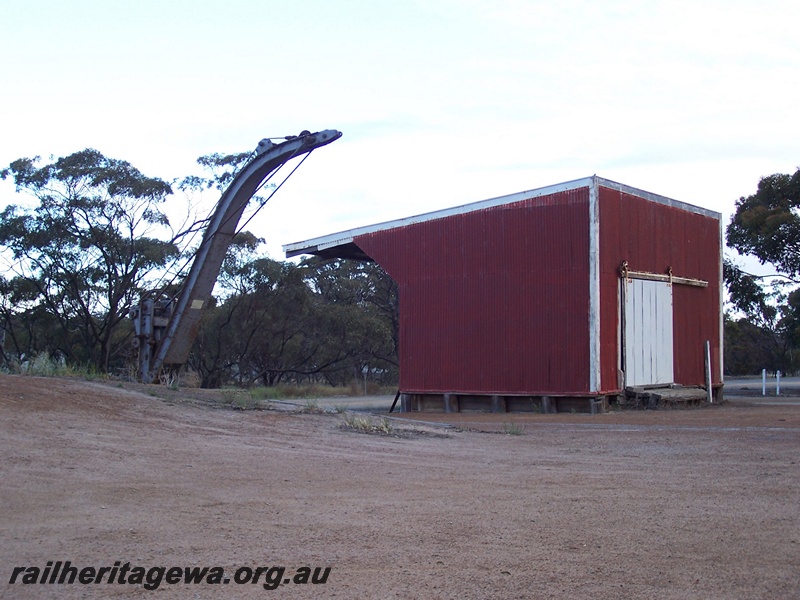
[626, 189]
[346, 237]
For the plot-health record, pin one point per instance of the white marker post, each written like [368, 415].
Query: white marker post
[763, 382]
[778, 386]
[709, 393]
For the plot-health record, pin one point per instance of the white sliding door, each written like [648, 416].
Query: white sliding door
[648, 333]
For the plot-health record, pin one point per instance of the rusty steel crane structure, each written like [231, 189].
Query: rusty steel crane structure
[167, 327]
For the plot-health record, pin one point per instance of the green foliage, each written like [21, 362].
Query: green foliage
[81, 255]
[747, 293]
[316, 390]
[281, 322]
[97, 238]
[750, 348]
[766, 225]
[223, 167]
[44, 365]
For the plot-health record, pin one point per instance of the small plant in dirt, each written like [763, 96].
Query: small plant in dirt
[356, 423]
[239, 399]
[513, 428]
[385, 425]
[169, 380]
[365, 424]
[312, 406]
[41, 365]
[259, 401]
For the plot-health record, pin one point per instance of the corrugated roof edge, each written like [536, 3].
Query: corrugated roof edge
[345, 237]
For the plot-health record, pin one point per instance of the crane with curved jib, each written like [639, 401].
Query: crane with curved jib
[165, 328]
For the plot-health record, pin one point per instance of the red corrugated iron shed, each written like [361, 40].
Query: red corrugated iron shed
[560, 294]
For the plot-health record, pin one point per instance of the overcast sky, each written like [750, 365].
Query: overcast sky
[441, 102]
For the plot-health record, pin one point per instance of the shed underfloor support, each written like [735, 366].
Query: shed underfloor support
[452, 403]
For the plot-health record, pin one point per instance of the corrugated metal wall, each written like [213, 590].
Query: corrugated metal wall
[493, 301]
[653, 237]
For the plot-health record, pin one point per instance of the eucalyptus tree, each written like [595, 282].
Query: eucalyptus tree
[84, 251]
[766, 226]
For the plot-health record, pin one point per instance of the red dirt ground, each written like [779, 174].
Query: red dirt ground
[658, 504]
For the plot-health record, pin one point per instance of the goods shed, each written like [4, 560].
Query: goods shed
[558, 298]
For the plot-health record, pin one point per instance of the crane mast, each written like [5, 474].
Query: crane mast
[166, 327]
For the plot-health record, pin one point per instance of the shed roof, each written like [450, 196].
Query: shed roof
[342, 244]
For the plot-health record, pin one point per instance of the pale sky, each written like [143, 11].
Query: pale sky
[441, 102]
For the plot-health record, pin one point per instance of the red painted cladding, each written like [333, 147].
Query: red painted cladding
[493, 301]
[496, 300]
[653, 237]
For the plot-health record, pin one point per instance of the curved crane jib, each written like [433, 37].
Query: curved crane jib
[170, 344]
